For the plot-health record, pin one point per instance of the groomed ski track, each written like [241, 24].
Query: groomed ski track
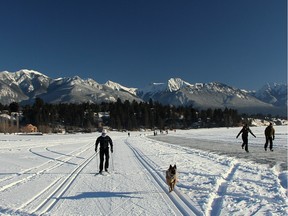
[183, 203]
[83, 163]
[63, 181]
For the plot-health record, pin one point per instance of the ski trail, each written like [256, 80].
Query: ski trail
[130, 204]
[31, 169]
[215, 201]
[218, 197]
[51, 199]
[38, 195]
[184, 205]
[45, 167]
[123, 208]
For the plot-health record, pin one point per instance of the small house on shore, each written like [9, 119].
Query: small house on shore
[29, 128]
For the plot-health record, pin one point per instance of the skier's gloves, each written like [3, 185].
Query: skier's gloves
[96, 150]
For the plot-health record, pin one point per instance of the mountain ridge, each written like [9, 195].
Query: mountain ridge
[24, 86]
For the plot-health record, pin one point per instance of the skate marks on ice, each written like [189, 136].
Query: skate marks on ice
[232, 149]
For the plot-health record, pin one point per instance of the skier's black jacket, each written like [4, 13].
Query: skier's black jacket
[245, 130]
[104, 143]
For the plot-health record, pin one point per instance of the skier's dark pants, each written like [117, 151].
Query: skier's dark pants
[270, 140]
[245, 143]
[102, 153]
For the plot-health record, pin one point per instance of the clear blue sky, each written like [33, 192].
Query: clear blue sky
[242, 43]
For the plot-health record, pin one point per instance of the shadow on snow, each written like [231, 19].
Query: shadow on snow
[103, 194]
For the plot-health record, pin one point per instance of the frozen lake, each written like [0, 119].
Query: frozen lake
[223, 142]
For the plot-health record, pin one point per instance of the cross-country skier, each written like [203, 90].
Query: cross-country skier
[270, 136]
[245, 130]
[104, 141]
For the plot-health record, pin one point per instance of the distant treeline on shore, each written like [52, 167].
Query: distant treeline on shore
[121, 116]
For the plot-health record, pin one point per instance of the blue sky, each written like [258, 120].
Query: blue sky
[242, 43]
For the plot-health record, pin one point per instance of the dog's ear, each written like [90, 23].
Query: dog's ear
[170, 167]
[175, 166]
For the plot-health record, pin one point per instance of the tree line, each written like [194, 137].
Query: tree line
[121, 116]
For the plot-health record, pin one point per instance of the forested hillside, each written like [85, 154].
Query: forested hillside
[120, 116]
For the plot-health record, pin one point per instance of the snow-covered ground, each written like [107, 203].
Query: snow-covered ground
[55, 174]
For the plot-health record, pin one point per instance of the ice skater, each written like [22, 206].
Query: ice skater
[104, 141]
[245, 130]
[270, 136]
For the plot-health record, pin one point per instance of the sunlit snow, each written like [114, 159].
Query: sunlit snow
[56, 174]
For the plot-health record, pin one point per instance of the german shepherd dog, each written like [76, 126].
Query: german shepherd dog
[171, 177]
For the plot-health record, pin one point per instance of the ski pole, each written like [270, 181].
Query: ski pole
[96, 159]
[112, 162]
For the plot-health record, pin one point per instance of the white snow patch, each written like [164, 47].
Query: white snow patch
[55, 175]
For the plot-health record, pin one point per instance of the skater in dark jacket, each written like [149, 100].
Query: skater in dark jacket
[104, 141]
[245, 130]
[270, 136]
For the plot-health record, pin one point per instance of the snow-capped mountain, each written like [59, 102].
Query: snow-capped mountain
[119, 87]
[273, 93]
[25, 85]
[22, 85]
[77, 90]
[206, 95]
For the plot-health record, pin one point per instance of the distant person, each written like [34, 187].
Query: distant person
[245, 130]
[270, 136]
[104, 141]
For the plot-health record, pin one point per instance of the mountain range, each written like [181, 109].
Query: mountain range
[24, 86]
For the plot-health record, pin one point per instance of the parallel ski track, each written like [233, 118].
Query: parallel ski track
[215, 199]
[55, 190]
[40, 169]
[182, 203]
[123, 208]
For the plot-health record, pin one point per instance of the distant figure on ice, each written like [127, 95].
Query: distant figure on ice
[270, 136]
[245, 130]
[104, 141]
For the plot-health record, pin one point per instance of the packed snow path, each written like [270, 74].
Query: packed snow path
[56, 175]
